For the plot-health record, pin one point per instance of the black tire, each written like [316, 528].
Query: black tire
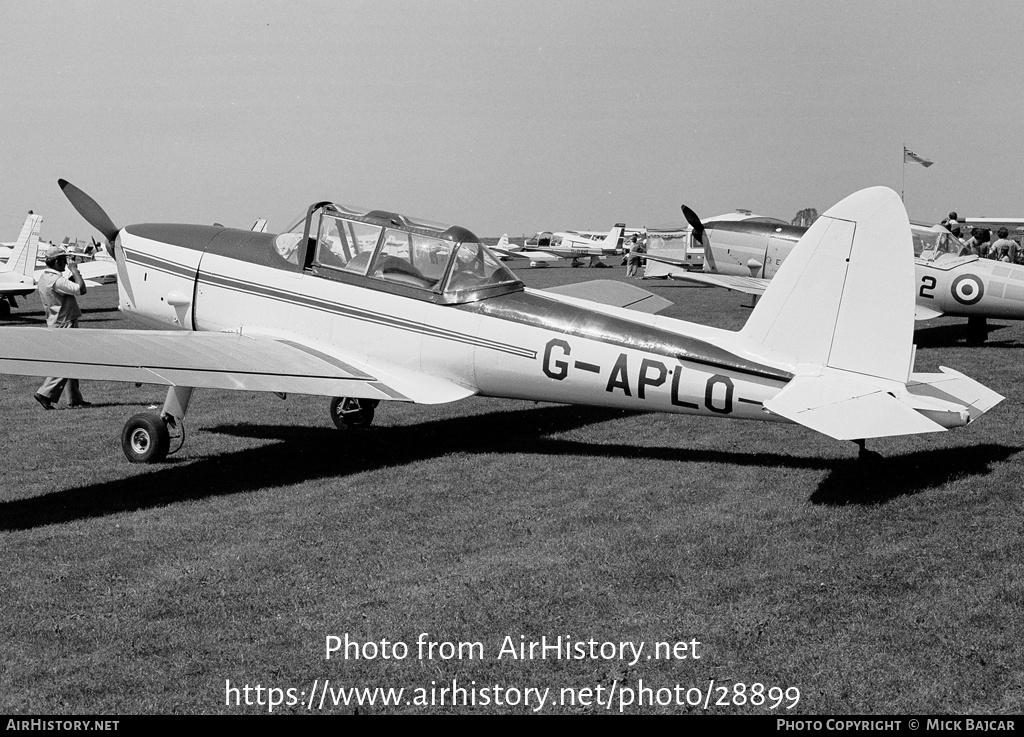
[145, 438]
[349, 413]
[5, 308]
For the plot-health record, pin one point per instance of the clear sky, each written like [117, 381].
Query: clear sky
[505, 117]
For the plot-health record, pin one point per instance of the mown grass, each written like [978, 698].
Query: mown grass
[890, 588]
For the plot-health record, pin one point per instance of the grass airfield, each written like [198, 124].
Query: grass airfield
[892, 588]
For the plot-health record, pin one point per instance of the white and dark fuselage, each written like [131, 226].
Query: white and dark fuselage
[502, 341]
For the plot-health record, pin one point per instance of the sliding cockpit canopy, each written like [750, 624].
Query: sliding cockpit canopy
[447, 262]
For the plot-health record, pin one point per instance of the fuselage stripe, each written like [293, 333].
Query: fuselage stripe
[323, 305]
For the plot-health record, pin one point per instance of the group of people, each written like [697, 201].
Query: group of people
[980, 243]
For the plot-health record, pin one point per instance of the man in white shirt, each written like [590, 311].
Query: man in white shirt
[59, 295]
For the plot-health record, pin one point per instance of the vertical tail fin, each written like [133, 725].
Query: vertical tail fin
[614, 237]
[26, 250]
[844, 298]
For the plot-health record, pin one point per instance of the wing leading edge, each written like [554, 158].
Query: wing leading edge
[213, 361]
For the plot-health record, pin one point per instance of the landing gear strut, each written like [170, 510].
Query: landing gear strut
[866, 456]
[977, 330]
[350, 413]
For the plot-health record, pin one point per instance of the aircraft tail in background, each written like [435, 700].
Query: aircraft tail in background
[614, 237]
[26, 250]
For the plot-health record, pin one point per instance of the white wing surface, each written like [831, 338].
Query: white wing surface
[615, 293]
[211, 360]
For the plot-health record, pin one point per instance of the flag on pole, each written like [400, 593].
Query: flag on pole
[913, 158]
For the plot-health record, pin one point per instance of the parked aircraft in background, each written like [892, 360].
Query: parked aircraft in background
[507, 251]
[1014, 225]
[546, 247]
[946, 284]
[288, 313]
[16, 279]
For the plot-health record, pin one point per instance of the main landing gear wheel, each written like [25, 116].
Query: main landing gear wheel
[145, 438]
[349, 413]
[5, 308]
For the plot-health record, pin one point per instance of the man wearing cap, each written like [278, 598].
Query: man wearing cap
[59, 296]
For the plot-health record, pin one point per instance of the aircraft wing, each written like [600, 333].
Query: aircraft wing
[615, 293]
[530, 255]
[576, 252]
[922, 312]
[17, 288]
[101, 271]
[505, 253]
[746, 284]
[211, 360]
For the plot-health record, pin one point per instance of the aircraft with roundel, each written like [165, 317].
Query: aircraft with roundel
[743, 255]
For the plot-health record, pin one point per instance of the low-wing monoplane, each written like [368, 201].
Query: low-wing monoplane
[546, 247]
[375, 306]
[745, 255]
[16, 276]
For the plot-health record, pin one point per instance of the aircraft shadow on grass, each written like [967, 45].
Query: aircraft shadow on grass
[955, 336]
[305, 453]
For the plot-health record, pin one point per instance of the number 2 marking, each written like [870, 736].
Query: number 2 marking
[927, 286]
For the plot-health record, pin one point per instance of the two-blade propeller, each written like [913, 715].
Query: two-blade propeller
[91, 211]
[700, 233]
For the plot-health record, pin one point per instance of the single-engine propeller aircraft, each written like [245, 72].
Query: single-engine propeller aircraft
[507, 251]
[546, 247]
[371, 306]
[16, 276]
[745, 255]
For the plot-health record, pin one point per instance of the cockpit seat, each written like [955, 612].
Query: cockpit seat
[358, 263]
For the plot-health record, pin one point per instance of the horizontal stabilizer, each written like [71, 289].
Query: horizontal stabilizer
[953, 387]
[846, 409]
[614, 293]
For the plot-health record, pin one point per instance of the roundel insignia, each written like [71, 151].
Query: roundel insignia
[967, 289]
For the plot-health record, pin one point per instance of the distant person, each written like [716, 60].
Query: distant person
[634, 257]
[1004, 249]
[977, 244]
[60, 300]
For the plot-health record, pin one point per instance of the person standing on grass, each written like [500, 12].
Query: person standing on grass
[633, 259]
[60, 301]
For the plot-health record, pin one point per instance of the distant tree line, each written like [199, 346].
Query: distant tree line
[805, 218]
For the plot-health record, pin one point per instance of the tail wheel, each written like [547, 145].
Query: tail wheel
[349, 413]
[145, 438]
